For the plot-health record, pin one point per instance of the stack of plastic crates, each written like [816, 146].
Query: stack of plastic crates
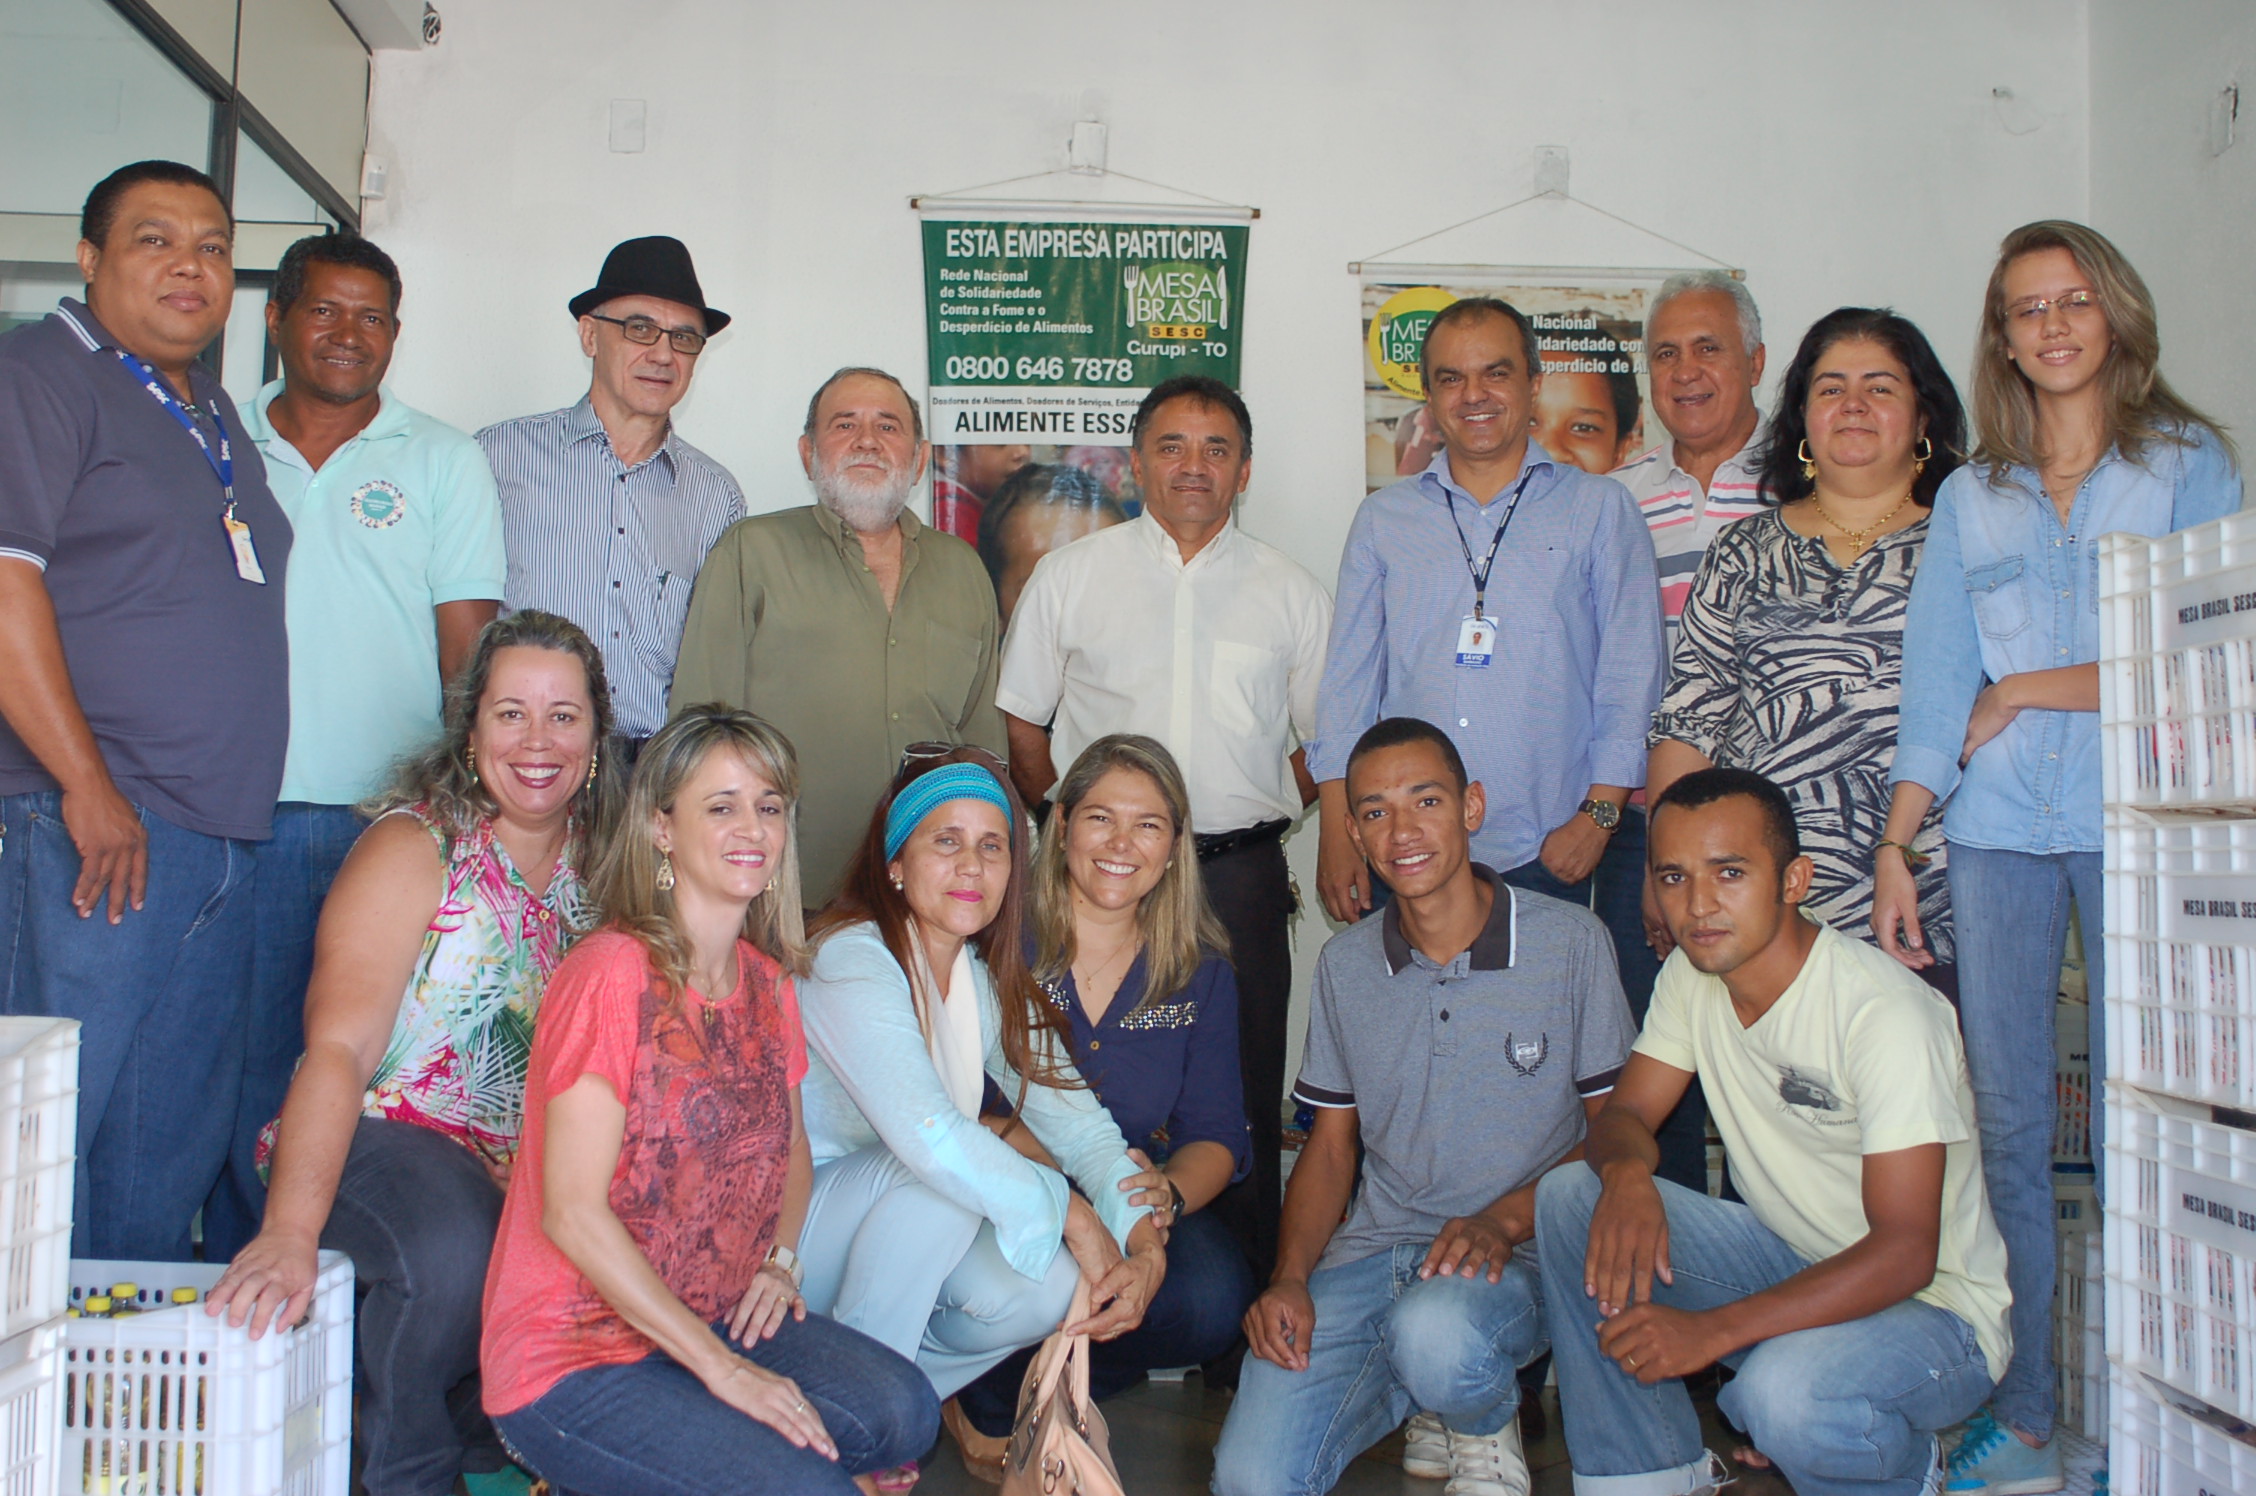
[38, 1137]
[2178, 737]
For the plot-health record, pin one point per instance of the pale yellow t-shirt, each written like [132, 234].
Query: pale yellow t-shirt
[1858, 1056]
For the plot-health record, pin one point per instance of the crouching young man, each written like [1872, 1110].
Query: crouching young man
[1860, 1292]
[1463, 1036]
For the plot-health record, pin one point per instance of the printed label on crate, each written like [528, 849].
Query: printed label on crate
[2209, 1210]
[2208, 609]
[2212, 909]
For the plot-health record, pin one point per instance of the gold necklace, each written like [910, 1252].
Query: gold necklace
[1859, 540]
[1099, 970]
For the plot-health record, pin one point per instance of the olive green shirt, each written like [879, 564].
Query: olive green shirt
[786, 621]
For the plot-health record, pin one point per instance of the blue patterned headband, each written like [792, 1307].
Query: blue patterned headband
[925, 793]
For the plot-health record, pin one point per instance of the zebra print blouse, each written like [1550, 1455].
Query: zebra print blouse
[1791, 664]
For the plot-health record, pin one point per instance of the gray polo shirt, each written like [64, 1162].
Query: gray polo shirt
[1467, 1079]
[181, 667]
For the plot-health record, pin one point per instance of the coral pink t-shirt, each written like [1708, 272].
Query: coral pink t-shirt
[701, 1168]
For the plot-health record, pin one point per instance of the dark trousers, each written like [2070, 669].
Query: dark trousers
[289, 882]
[650, 1428]
[1618, 898]
[159, 998]
[416, 1211]
[1191, 1320]
[1251, 892]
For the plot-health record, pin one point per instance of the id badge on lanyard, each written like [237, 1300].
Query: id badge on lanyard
[239, 542]
[1476, 633]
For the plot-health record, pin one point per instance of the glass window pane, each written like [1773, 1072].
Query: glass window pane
[242, 364]
[264, 192]
[94, 95]
[29, 292]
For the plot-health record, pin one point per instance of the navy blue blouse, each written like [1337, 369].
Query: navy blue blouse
[1169, 1072]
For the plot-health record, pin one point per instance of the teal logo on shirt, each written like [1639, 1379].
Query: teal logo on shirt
[378, 504]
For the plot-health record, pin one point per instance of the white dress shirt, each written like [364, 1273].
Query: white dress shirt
[1218, 657]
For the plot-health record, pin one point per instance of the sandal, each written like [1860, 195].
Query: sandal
[982, 1453]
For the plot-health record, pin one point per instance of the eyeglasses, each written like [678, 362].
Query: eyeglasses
[918, 752]
[647, 332]
[2033, 311]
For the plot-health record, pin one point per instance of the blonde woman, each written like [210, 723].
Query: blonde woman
[2077, 434]
[402, 1122]
[645, 1332]
[1132, 958]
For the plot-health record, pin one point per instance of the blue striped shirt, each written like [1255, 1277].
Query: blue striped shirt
[613, 548]
[1566, 701]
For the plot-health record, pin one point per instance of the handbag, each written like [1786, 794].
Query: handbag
[1059, 1445]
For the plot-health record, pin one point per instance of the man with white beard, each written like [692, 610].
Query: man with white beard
[853, 627]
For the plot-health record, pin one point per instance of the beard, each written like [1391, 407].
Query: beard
[863, 506]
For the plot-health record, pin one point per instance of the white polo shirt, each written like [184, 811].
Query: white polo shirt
[1218, 657]
[1683, 519]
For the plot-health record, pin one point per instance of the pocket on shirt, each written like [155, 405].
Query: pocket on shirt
[1527, 593]
[951, 669]
[1248, 688]
[2000, 593]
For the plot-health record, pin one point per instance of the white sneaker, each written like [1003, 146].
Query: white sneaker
[1487, 1464]
[1425, 1447]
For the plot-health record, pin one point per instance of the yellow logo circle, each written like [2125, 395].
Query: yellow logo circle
[1398, 336]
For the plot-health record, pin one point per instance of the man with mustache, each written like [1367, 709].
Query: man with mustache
[852, 626]
[397, 566]
[606, 512]
[1181, 626]
[144, 705]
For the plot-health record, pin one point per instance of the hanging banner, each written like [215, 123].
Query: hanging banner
[1592, 409]
[1043, 338]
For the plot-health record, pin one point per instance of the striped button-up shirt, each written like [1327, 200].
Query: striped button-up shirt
[1683, 519]
[1567, 699]
[611, 547]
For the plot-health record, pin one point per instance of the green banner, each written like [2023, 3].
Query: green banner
[1052, 333]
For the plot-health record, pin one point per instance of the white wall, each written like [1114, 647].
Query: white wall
[2186, 218]
[1840, 155]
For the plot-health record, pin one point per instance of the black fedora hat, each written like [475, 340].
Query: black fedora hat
[657, 266]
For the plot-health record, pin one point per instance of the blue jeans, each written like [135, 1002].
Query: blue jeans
[1618, 898]
[1842, 1410]
[1191, 1320]
[1386, 1344]
[650, 1428]
[289, 881]
[160, 998]
[2011, 914]
[888, 1255]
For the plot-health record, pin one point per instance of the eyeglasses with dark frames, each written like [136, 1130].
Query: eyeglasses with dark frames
[647, 332]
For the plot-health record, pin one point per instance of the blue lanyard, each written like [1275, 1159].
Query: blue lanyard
[223, 462]
[1481, 569]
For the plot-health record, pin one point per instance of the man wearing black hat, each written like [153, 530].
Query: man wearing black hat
[606, 512]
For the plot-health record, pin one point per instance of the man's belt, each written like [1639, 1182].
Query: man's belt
[1223, 843]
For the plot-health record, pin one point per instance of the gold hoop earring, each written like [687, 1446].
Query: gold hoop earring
[470, 756]
[665, 872]
[1809, 463]
[1919, 458]
[595, 761]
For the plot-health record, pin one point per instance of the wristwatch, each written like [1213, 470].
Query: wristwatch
[782, 1256]
[1605, 812]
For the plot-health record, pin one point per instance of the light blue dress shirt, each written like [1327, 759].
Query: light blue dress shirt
[870, 1079]
[1568, 698]
[2005, 587]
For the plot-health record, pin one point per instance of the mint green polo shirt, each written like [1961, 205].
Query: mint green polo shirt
[400, 519]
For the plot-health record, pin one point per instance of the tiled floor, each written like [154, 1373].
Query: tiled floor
[1163, 1440]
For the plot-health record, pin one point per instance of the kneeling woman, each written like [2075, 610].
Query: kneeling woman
[927, 1230]
[1127, 950]
[644, 1327]
[396, 1137]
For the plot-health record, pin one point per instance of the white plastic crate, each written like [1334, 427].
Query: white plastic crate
[173, 1402]
[2181, 1251]
[2079, 1343]
[2072, 1083]
[38, 1150]
[31, 1429]
[2162, 1444]
[2181, 957]
[2177, 667]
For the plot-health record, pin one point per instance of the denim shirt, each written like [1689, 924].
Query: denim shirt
[2002, 574]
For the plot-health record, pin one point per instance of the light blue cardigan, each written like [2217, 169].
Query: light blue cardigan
[870, 1080]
